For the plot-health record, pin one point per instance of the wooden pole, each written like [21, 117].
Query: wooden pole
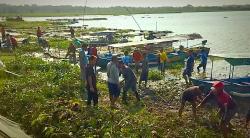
[230, 70]
[211, 77]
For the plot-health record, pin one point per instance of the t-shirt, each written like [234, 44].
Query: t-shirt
[90, 73]
[203, 57]
[13, 41]
[225, 98]
[190, 62]
[126, 60]
[113, 73]
[129, 75]
[137, 57]
[94, 51]
[39, 33]
[222, 98]
[163, 57]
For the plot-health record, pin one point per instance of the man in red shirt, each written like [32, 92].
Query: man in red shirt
[94, 51]
[137, 57]
[225, 103]
[13, 42]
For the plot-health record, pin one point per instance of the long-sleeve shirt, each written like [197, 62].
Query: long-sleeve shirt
[113, 73]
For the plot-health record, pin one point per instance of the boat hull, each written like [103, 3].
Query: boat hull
[236, 85]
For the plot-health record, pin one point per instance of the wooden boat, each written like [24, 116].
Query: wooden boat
[239, 86]
[153, 57]
[152, 47]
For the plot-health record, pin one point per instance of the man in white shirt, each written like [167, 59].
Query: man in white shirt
[113, 80]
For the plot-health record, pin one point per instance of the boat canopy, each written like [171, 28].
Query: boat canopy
[238, 61]
[145, 42]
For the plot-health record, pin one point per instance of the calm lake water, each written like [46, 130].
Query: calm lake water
[228, 33]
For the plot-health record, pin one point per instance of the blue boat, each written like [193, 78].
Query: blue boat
[174, 58]
[239, 86]
[104, 59]
[153, 47]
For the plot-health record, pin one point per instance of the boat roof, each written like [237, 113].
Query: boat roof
[238, 61]
[145, 42]
[234, 61]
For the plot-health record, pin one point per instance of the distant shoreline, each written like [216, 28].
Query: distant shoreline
[49, 11]
[78, 14]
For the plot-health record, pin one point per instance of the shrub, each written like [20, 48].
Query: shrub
[154, 75]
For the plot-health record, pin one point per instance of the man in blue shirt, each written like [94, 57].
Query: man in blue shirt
[203, 57]
[126, 59]
[187, 73]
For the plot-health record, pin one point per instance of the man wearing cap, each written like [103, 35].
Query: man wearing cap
[191, 95]
[225, 103]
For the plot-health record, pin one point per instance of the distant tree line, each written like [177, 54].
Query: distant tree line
[25, 10]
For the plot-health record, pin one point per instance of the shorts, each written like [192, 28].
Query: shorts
[114, 90]
[144, 76]
[187, 72]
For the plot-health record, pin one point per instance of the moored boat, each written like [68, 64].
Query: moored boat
[239, 86]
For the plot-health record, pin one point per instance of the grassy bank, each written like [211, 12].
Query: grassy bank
[48, 101]
[25, 24]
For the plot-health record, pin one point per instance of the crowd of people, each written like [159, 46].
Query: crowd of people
[88, 57]
[193, 94]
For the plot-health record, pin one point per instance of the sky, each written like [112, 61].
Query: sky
[132, 3]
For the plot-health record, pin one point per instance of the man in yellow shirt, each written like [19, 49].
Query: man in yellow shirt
[163, 59]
